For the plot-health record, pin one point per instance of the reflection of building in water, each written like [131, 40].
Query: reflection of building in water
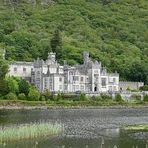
[50, 75]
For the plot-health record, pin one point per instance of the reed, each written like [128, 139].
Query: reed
[136, 127]
[29, 131]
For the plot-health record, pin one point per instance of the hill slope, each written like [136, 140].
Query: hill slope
[113, 31]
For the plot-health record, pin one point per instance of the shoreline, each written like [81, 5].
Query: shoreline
[21, 104]
[69, 107]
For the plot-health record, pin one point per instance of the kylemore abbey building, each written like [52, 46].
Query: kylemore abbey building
[90, 77]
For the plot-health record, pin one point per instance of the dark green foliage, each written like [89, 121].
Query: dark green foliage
[83, 97]
[24, 87]
[96, 98]
[21, 96]
[3, 68]
[3, 72]
[56, 44]
[42, 98]
[106, 97]
[47, 95]
[71, 97]
[145, 99]
[59, 97]
[144, 88]
[118, 98]
[3, 87]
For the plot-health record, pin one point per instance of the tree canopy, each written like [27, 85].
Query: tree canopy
[113, 31]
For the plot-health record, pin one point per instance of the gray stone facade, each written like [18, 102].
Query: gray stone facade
[124, 85]
[50, 75]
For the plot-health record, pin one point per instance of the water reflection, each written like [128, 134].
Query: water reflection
[77, 143]
[84, 128]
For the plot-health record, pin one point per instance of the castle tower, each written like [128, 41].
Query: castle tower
[86, 57]
[51, 58]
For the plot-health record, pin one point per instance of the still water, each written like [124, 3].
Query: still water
[84, 128]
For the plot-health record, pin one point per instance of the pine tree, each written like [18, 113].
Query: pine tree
[56, 43]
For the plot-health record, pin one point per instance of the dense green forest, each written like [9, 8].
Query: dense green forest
[113, 31]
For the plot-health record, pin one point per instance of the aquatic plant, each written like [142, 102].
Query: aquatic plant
[29, 131]
[136, 127]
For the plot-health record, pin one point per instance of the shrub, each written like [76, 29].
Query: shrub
[106, 97]
[72, 97]
[118, 98]
[11, 96]
[145, 99]
[58, 97]
[47, 95]
[96, 98]
[12, 85]
[144, 88]
[83, 97]
[42, 98]
[136, 97]
[1, 97]
[22, 96]
[24, 87]
[33, 95]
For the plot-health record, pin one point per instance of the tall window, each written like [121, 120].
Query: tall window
[82, 87]
[82, 79]
[60, 87]
[15, 69]
[103, 81]
[75, 78]
[24, 69]
[60, 79]
[114, 80]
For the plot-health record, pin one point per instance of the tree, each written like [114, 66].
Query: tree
[3, 68]
[24, 87]
[3, 72]
[34, 94]
[145, 99]
[56, 43]
[12, 85]
[118, 98]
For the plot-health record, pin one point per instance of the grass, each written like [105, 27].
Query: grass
[69, 103]
[136, 127]
[21, 103]
[29, 131]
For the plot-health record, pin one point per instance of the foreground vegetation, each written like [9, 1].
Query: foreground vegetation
[136, 127]
[75, 102]
[113, 31]
[28, 131]
[18, 92]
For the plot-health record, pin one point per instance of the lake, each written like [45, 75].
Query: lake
[83, 128]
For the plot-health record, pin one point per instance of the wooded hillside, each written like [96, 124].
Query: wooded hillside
[113, 31]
